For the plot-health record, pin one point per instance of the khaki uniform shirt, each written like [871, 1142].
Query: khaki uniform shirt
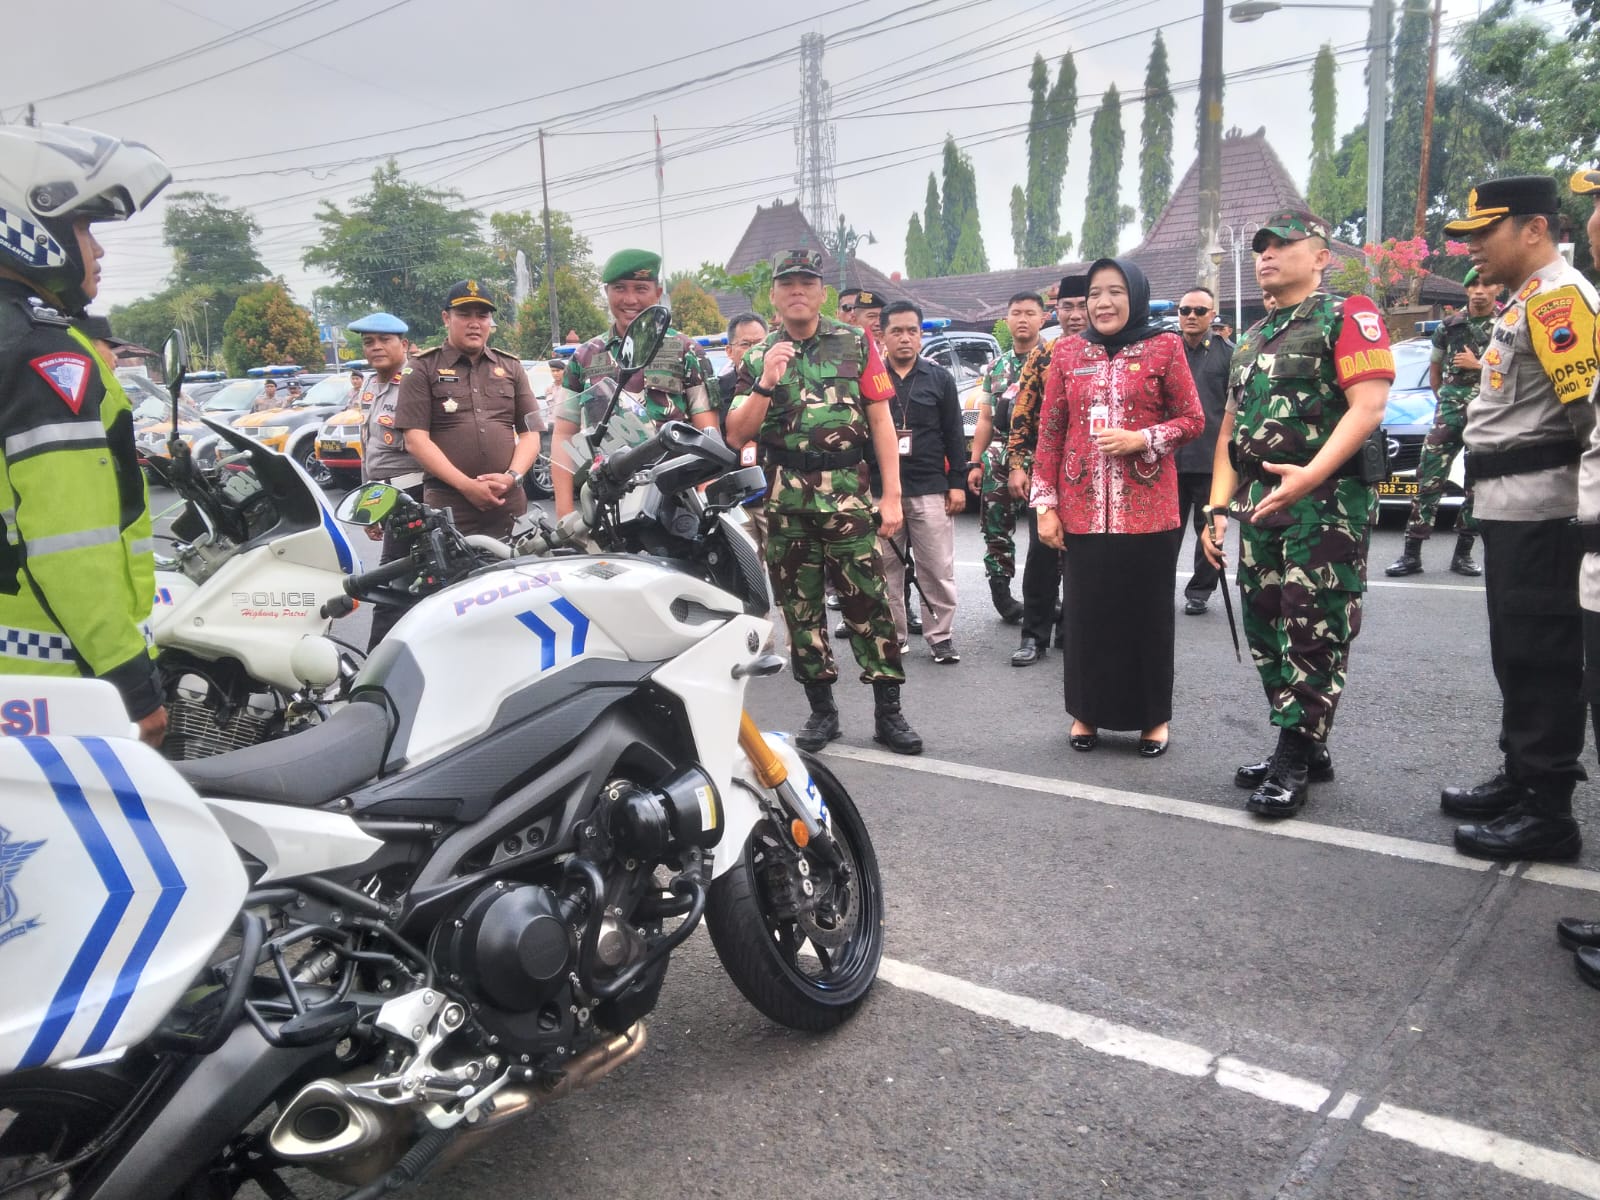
[383, 446]
[1537, 373]
[473, 410]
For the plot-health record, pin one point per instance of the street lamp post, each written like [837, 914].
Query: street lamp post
[1234, 240]
[1377, 90]
[205, 307]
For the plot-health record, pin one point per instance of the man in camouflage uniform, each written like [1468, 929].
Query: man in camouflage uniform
[1526, 430]
[676, 385]
[989, 476]
[1041, 572]
[813, 395]
[1458, 345]
[1306, 389]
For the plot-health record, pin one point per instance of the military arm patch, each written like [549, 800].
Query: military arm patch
[875, 385]
[1561, 325]
[1361, 350]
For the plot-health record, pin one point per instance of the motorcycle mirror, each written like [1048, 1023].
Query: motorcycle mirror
[175, 361]
[645, 334]
[368, 504]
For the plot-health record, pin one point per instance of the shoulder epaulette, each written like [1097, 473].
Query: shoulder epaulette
[428, 351]
[43, 315]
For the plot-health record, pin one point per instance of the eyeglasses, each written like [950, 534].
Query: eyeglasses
[847, 308]
[1186, 311]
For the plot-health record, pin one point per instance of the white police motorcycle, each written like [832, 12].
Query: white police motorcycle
[455, 899]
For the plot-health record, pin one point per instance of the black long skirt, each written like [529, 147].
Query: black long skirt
[1117, 627]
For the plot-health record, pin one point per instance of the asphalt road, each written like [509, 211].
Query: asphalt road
[1104, 979]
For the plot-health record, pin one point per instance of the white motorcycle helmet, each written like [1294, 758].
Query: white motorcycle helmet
[50, 177]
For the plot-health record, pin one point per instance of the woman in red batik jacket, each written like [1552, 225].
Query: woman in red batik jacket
[1118, 401]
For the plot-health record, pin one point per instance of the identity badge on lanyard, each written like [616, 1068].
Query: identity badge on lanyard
[903, 439]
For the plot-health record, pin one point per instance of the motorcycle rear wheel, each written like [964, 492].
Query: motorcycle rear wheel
[764, 954]
[46, 1117]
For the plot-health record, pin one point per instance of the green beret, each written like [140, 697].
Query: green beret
[631, 264]
[1472, 277]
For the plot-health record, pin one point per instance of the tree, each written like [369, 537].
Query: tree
[1102, 207]
[1050, 121]
[147, 321]
[513, 231]
[266, 326]
[1019, 225]
[1402, 150]
[969, 258]
[530, 337]
[401, 247]
[932, 223]
[1155, 136]
[958, 213]
[1324, 132]
[211, 243]
[919, 258]
[693, 309]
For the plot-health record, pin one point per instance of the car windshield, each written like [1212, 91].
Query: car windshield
[238, 396]
[152, 408]
[1411, 399]
[332, 392]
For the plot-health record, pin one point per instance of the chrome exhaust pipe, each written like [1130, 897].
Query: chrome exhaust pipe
[336, 1135]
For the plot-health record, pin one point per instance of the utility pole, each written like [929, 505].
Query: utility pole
[549, 253]
[813, 136]
[1420, 225]
[1377, 117]
[1210, 144]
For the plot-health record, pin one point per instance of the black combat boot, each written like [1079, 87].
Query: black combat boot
[1541, 828]
[1462, 562]
[1410, 560]
[889, 725]
[1007, 605]
[1495, 798]
[822, 726]
[1319, 769]
[1288, 784]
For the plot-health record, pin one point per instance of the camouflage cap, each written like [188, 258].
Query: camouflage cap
[632, 264]
[1585, 183]
[1292, 225]
[468, 292]
[1513, 196]
[797, 262]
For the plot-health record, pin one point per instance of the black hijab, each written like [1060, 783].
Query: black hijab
[1139, 326]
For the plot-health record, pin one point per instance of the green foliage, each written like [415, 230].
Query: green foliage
[1102, 208]
[400, 247]
[211, 244]
[513, 231]
[147, 320]
[755, 285]
[958, 211]
[1320, 190]
[1019, 225]
[265, 327]
[919, 258]
[1155, 136]
[693, 309]
[969, 258]
[1402, 148]
[1002, 334]
[1051, 118]
[932, 223]
[530, 336]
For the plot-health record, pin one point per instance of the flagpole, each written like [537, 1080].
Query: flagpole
[661, 183]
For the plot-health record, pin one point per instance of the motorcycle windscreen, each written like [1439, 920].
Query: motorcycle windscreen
[629, 427]
[116, 884]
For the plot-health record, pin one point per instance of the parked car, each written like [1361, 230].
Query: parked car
[1406, 422]
[292, 428]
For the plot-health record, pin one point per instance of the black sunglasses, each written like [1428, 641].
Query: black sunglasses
[847, 308]
[1185, 310]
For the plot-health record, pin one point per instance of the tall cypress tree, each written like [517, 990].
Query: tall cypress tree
[1320, 188]
[919, 258]
[1155, 136]
[933, 228]
[958, 213]
[1102, 207]
[1050, 122]
[1019, 225]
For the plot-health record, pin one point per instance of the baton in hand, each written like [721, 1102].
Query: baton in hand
[1227, 596]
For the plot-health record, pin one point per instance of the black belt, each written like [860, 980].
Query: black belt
[1520, 460]
[1589, 531]
[812, 460]
[1256, 469]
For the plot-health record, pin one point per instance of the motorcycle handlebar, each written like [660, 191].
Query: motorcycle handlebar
[622, 465]
[378, 576]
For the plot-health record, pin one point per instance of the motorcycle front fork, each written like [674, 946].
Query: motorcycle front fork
[804, 829]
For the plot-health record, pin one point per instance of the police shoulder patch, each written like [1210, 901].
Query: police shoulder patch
[1562, 326]
[68, 375]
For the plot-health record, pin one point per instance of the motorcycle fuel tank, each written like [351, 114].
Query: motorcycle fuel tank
[116, 882]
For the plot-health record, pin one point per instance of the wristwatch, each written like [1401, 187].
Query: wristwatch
[516, 477]
[1041, 509]
[759, 390]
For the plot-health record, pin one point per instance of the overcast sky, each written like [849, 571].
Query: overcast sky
[278, 105]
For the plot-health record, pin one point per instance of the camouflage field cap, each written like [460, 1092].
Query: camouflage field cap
[1496, 199]
[1292, 225]
[797, 262]
[632, 264]
[1585, 183]
[468, 292]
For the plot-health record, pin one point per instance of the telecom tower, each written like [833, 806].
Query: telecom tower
[813, 139]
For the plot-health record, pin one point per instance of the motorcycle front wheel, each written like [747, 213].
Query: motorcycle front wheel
[809, 970]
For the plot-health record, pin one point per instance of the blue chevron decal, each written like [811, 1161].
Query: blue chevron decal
[547, 635]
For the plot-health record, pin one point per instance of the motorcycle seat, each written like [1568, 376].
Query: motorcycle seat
[305, 769]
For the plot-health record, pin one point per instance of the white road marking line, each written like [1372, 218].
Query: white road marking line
[1298, 830]
[1440, 1135]
[1371, 583]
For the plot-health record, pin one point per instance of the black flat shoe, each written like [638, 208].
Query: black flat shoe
[1150, 748]
[1574, 933]
[1028, 653]
[1084, 741]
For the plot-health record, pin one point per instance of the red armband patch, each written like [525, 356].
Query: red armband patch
[875, 385]
[68, 376]
[1362, 349]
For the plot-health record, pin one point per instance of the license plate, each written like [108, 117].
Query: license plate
[1398, 487]
[333, 449]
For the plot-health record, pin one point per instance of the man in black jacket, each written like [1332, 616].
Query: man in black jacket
[1208, 353]
[933, 462]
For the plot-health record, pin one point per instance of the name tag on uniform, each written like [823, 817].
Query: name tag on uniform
[747, 456]
[904, 439]
[1086, 370]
